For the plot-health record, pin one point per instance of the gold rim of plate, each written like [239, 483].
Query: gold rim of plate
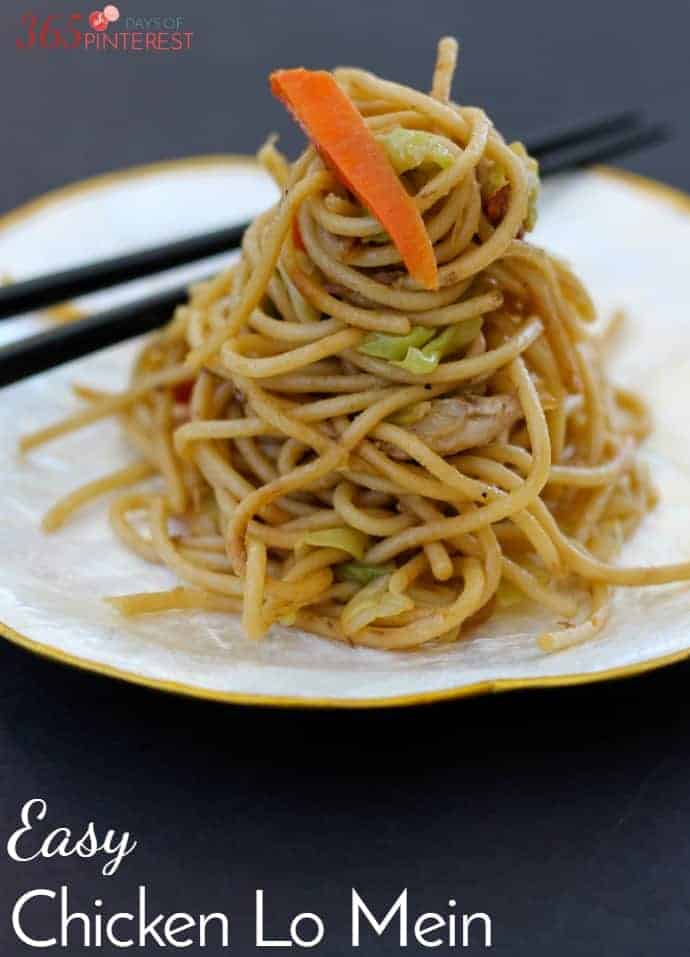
[665, 193]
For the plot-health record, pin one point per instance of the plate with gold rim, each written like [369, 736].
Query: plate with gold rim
[629, 240]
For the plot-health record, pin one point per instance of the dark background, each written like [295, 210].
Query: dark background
[564, 814]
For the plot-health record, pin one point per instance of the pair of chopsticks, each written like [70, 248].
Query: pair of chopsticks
[558, 152]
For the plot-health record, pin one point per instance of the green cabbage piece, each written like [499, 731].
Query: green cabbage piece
[382, 345]
[425, 360]
[494, 179]
[347, 539]
[410, 149]
[372, 602]
[361, 573]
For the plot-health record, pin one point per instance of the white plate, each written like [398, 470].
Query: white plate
[630, 241]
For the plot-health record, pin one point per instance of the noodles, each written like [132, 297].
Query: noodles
[331, 443]
[61, 511]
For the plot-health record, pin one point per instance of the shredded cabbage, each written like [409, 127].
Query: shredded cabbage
[372, 602]
[493, 179]
[409, 149]
[347, 539]
[382, 345]
[425, 360]
[361, 573]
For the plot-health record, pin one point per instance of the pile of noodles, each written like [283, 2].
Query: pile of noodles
[273, 437]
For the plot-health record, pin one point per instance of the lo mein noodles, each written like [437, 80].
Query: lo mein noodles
[327, 440]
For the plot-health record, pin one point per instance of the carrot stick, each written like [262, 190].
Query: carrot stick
[336, 128]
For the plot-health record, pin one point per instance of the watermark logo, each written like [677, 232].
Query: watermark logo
[107, 30]
[101, 19]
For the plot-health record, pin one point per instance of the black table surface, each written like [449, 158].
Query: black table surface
[563, 814]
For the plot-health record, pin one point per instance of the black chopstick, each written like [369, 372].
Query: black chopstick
[585, 132]
[80, 280]
[578, 156]
[69, 283]
[27, 357]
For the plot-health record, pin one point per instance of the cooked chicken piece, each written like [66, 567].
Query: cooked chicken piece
[453, 425]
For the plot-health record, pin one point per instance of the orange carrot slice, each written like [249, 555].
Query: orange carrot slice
[336, 128]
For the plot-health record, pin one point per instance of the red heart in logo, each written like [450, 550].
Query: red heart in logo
[98, 20]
